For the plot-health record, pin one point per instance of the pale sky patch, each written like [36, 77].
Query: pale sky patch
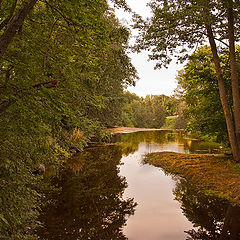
[151, 81]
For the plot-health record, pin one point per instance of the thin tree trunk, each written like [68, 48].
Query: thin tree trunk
[14, 25]
[234, 72]
[5, 22]
[231, 224]
[222, 90]
[227, 223]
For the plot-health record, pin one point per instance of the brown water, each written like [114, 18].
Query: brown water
[108, 193]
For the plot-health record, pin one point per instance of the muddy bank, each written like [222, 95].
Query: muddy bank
[215, 172]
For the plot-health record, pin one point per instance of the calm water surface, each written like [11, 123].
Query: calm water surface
[107, 192]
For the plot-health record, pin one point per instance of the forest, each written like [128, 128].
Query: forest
[153, 111]
[64, 71]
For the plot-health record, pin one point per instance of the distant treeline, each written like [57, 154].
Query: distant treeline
[153, 111]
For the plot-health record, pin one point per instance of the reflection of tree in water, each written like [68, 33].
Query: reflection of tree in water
[213, 218]
[130, 141]
[197, 146]
[90, 204]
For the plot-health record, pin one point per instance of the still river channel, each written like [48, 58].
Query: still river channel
[109, 193]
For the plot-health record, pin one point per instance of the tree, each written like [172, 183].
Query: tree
[177, 26]
[59, 75]
[148, 112]
[197, 85]
[13, 22]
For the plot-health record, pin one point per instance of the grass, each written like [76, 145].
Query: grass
[215, 172]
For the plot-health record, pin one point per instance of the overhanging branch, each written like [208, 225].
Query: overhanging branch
[7, 103]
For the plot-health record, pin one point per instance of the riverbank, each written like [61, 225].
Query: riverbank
[116, 130]
[214, 172]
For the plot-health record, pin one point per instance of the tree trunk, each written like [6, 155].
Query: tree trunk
[222, 90]
[227, 224]
[14, 25]
[234, 72]
[231, 224]
[8, 18]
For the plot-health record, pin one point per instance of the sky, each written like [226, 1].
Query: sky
[151, 81]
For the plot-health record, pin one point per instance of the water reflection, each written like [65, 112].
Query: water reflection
[130, 142]
[89, 204]
[212, 217]
[163, 138]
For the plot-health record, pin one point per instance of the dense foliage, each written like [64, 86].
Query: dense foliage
[176, 27]
[61, 81]
[148, 112]
[199, 90]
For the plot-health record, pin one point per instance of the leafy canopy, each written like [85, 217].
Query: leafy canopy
[177, 27]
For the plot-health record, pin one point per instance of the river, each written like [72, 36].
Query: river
[108, 192]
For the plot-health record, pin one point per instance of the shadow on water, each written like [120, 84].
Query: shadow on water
[90, 205]
[131, 141]
[212, 217]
